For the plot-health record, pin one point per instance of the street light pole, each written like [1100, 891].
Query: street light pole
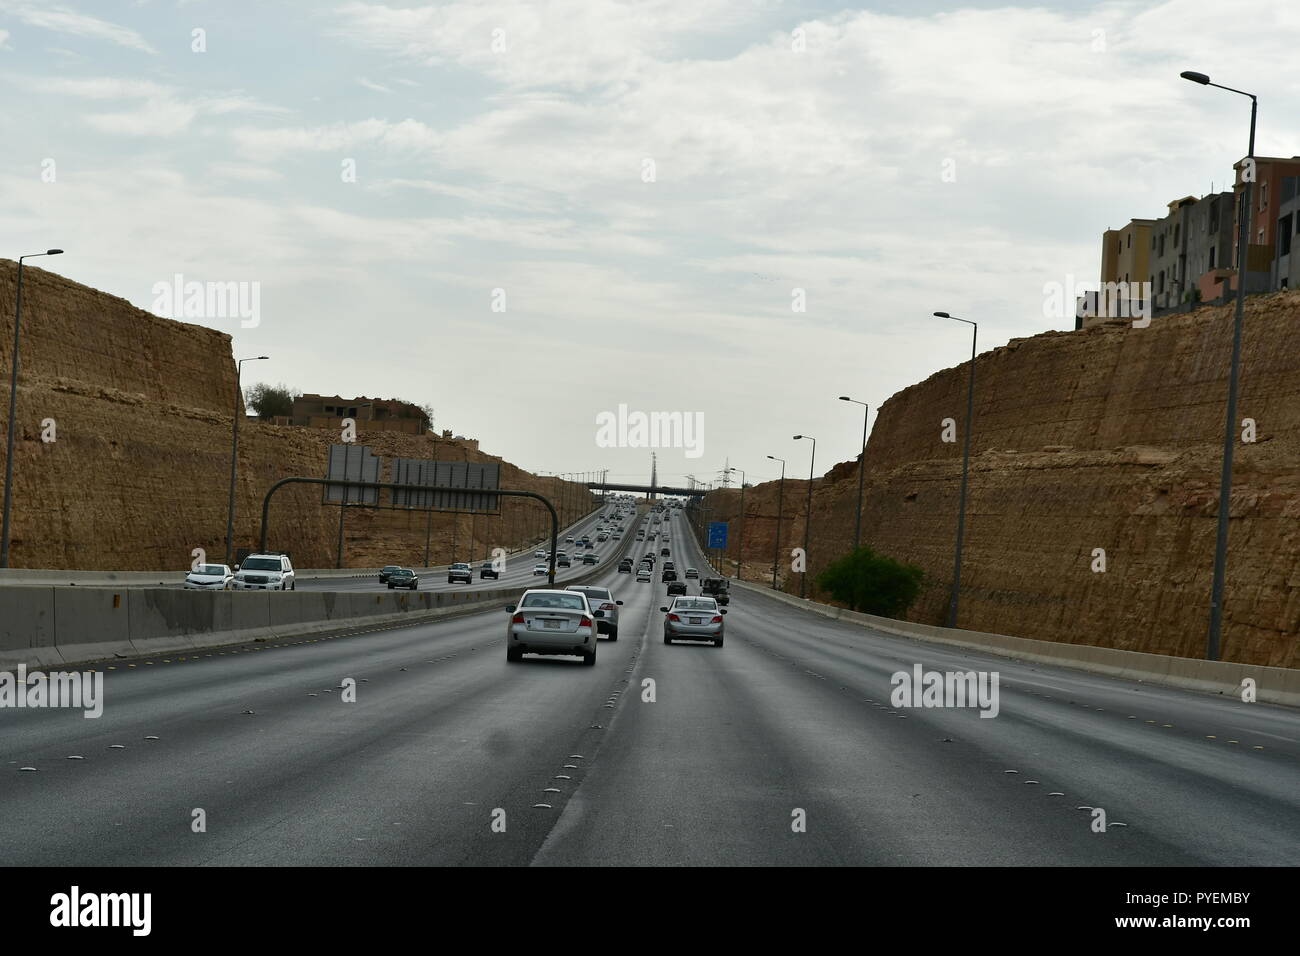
[807, 521]
[780, 514]
[234, 454]
[1230, 429]
[13, 409]
[740, 545]
[965, 469]
[862, 468]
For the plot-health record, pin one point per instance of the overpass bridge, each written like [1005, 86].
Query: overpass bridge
[650, 491]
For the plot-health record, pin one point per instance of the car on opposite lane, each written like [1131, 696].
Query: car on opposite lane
[694, 618]
[549, 621]
[488, 570]
[460, 571]
[385, 571]
[271, 571]
[403, 578]
[210, 577]
[541, 569]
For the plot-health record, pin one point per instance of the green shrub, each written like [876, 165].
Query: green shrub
[872, 583]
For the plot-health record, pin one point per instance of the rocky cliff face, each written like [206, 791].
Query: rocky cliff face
[140, 410]
[1110, 439]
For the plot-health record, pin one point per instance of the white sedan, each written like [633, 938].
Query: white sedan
[209, 577]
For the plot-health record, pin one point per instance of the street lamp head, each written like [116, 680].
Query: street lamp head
[1195, 77]
[942, 315]
[797, 437]
[260, 357]
[54, 252]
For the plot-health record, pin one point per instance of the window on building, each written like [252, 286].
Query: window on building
[1211, 257]
[1176, 228]
[1129, 244]
[1284, 236]
[1263, 195]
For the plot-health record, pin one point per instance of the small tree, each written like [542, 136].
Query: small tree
[872, 583]
[267, 401]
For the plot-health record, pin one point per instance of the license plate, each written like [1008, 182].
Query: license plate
[552, 625]
[697, 620]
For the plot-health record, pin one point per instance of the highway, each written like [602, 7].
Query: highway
[790, 720]
[518, 571]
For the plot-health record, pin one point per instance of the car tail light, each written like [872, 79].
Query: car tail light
[674, 617]
[607, 606]
[585, 622]
[517, 619]
[717, 619]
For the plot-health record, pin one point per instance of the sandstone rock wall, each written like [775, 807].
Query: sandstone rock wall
[139, 471]
[1107, 438]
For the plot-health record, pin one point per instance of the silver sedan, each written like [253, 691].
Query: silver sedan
[552, 622]
[693, 618]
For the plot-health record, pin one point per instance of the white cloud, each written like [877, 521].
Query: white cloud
[405, 137]
[60, 19]
[371, 85]
[162, 111]
[573, 44]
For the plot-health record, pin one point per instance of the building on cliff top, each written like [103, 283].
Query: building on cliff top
[377, 414]
[1189, 256]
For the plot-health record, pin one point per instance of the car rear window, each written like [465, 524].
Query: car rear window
[593, 593]
[570, 602]
[695, 604]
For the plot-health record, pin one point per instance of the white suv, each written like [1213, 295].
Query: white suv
[265, 572]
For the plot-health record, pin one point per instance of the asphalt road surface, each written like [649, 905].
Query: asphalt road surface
[779, 748]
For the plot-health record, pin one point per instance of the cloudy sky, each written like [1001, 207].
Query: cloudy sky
[528, 213]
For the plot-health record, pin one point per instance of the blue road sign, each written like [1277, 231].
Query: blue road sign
[717, 534]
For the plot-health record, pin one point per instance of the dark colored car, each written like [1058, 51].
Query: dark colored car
[669, 576]
[676, 587]
[403, 578]
[625, 566]
[663, 552]
[716, 588]
[488, 571]
[386, 571]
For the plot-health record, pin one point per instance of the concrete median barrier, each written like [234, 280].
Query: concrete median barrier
[54, 625]
[1275, 685]
[26, 622]
[91, 621]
